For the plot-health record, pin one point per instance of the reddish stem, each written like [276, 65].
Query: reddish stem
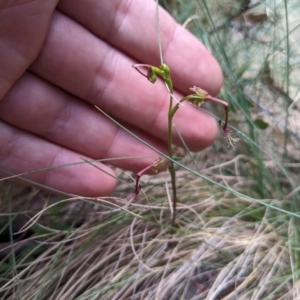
[225, 106]
[138, 176]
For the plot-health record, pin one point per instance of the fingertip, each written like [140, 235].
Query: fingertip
[96, 182]
[211, 133]
[87, 180]
[192, 63]
[206, 134]
[201, 131]
[215, 78]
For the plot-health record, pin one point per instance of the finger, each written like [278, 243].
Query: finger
[131, 26]
[63, 119]
[87, 67]
[23, 27]
[22, 152]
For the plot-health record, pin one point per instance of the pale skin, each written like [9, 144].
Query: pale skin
[58, 58]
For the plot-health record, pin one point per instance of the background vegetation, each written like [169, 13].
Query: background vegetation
[238, 212]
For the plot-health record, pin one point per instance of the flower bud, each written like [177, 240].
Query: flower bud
[200, 92]
[152, 77]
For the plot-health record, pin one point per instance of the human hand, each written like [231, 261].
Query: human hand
[55, 62]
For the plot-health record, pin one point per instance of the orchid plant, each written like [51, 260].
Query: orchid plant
[197, 98]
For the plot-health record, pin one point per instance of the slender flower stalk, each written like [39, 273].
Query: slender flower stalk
[156, 165]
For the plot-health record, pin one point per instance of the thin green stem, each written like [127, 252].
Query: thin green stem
[171, 167]
[169, 84]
